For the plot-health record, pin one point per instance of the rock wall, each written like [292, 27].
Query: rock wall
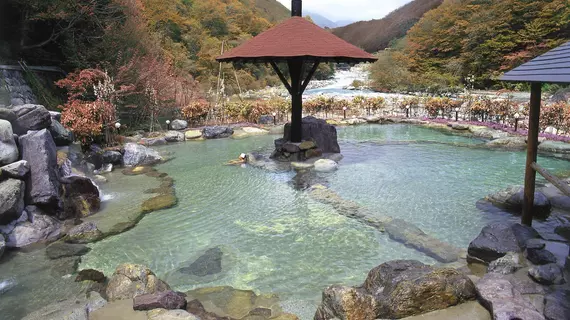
[14, 89]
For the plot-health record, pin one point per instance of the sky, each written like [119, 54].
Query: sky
[354, 10]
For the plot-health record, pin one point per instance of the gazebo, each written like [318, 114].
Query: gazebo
[302, 45]
[551, 67]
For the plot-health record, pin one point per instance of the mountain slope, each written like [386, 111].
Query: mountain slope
[321, 21]
[375, 35]
[272, 10]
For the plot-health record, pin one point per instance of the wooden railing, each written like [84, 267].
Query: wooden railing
[561, 185]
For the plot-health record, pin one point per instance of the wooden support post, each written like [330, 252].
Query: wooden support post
[531, 155]
[559, 184]
[295, 71]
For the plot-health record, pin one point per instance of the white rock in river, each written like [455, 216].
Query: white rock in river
[326, 165]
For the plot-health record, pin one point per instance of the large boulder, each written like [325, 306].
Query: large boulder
[31, 117]
[8, 115]
[61, 136]
[547, 274]
[42, 185]
[557, 305]
[168, 300]
[137, 155]
[496, 293]
[346, 303]
[319, 131]
[11, 200]
[497, 239]
[540, 256]
[179, 125]
[511, 199]
[217, 132]
[131, 280]
[113, 157]
[8, 149]
[174, 136]
[95, 156]
[17, 170]
[80, 197]
[395, 290]
[38, 228]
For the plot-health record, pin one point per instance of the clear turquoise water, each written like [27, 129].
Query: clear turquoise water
[276, 239]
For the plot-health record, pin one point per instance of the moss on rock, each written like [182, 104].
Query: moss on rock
[163, 201]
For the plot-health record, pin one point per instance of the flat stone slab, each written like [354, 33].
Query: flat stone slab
[398, 230]
[554, 147]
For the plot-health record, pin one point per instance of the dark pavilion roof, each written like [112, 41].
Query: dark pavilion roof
[296, 37]
[551, 67]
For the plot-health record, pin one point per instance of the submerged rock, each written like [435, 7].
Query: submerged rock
[86, 232]
[496, 293]
[11, 200]
[229, 303]
[217, 132]
[42, 185]
[209, 263]
[131, 280]
[137, 155]
[72, 309]
[90, 275]
[31, 117]
[325, 165]
[168, 300]
[162, 201]
[8, 149]
[508, 143]
[163, 314]
[395, 290]
[61, 249]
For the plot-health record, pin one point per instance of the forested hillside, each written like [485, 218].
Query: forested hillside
[376, 35]
[272, 10]
[473, 39]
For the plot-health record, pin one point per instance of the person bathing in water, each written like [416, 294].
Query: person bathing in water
[241, 160]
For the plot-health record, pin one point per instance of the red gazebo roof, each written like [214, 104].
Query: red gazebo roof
[297, 37]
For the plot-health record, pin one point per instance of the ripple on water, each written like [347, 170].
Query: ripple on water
[276, 239]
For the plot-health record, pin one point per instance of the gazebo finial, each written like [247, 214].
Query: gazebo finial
[296, 8]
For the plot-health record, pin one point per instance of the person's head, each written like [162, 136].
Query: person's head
[243, 157]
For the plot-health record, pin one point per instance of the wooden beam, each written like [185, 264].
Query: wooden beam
[309, 76]
[531, 155]
[561, 185]
[295, 70]
[282, 77]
